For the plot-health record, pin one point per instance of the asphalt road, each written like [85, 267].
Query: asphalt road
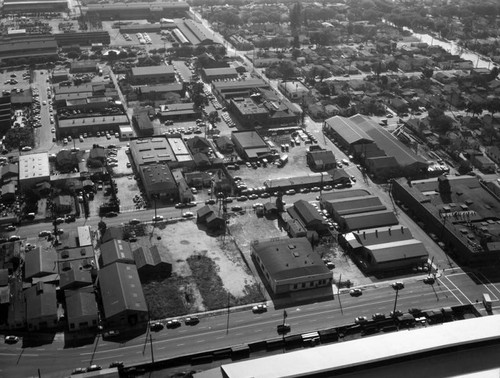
[244, 326]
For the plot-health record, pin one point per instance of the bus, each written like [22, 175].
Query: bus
[487, 302]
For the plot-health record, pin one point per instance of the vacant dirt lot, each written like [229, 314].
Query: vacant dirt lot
[184, 243]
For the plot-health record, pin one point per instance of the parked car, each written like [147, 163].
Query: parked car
[361, 320]
[242, 198]
[192, 320]
[174, 323]
[188, 214]
[10, 228]
[11, 339]
[260, 308]
[355, 292]
[290, 192]
[429, 280]
[156, 326]
[158, 218]
[378, 316]
[236, 208]
[93, 368]
[210, 201]
[116, 364]
[398, 285]
[78, 371]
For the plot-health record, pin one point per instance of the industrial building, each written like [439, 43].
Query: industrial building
[225, 90]
[426, 350]
[216, 74]
[116, 250]
[152, 74]
[250, 145]
[290, 265]
[42, 6]
[136, 11]
[41, 307]
[462, 212]
[81, 309]
[158, 181]
[77, 126]
[122, 297]
[385, 249]
[27, 47]
[151, 151]
[382, 154]
[151, 263]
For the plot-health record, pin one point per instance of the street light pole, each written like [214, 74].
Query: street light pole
[396, 301]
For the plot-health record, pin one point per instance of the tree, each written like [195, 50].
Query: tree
[427, 73]
[295, 18]
[475, 107]
[18, 137]
[343, 100]
[101, 226]
[464, 167]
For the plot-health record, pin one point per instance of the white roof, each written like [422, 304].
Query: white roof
[84, 236]
[34, 166]
[367, 350]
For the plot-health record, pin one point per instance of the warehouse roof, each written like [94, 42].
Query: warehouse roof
[153, 70]
[289, 258]
[370, 220]
[356, 205]
[351, 135]
[116, 250]
[40, 301]
[150, 151]
[121, 289]
[397, 250]
[80, 303]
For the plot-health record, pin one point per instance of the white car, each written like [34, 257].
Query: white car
[158, 218]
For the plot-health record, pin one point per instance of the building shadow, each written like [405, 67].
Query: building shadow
[36, 339]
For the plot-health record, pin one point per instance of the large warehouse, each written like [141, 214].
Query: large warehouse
[385, 248]
[462, 212]
[382, 154]
[136, 11]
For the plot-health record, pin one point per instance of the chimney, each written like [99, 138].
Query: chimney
[376, 233]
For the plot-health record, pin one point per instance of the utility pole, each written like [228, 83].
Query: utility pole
[338, 294]
[151, 343]
[228, 311]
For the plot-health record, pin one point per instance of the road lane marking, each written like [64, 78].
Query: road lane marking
[483, 279]
[447, 288]
[17, 354]
[460, 291]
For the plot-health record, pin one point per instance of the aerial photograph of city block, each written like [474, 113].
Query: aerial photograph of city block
[250, 189]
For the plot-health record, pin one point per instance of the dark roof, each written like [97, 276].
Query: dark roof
[74, 277]
[149, 256]
[205, 211]
[98, 153]
[153, 70]
[322, 157]
[40, 301]
[382, 235]
[332, 196]
[38, 263]
[289, 258]
[80, 303]
[370, 220]
[112, 232]
[4, 277]
[307, 212]
[356, 205]
[398, 250]
[121, 289]
[157, 177]
[116, 250]
[249, 139]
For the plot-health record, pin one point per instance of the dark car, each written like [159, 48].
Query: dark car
[378, 316]
[174, 323]
[355, 292]
[69, 218]
[94, 368]
[117, 364]
[260, 308]
[112, 214]
[156, 326]
[192, 320]
[283, 329]
[398, 285]
[429, 280]
[236, 208]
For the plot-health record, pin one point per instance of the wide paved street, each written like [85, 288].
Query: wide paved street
[213, 331]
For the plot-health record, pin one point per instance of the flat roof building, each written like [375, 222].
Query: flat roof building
[151, 151]
[216, 74]
[33, 168]
[152, 74]
[249, 144]
[159, 181]
[290, 265]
